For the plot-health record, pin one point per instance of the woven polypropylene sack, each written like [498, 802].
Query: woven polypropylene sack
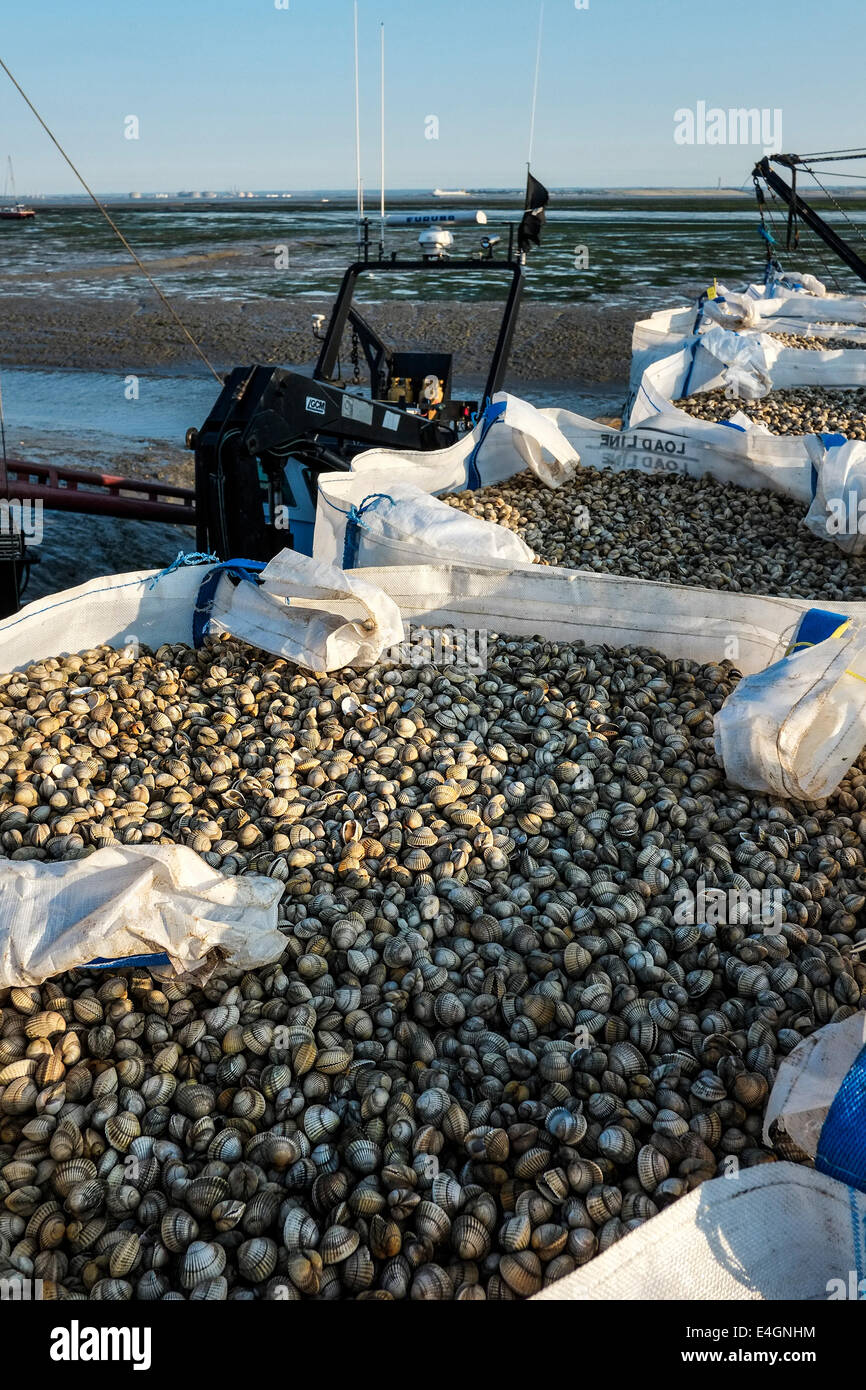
[560, 604]
[774, 1232]
[312, 614]
[510, 436]
[376, 518]
[838, 510]
[796, 728]
[128, 901]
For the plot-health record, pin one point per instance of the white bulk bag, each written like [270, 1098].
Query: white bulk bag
[794, 729]
[758, 305]
[838, 510]
[750, 364]
[510, 436]
[131, 901]
[375, 518]
[664, 332]
[750, 310]
[808, 1082]
[298, 611]
[669, 441]
[561, 604]
[773, 1232]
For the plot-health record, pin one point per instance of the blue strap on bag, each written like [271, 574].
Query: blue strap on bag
[842, 1144]
[244, 570]
[495, 411]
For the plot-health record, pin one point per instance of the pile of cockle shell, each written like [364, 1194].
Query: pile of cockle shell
[813, 343]
[671, 528]
[495, 1043]
[798, 410]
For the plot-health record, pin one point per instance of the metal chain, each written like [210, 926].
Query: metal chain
[831, 274]
[117, 232]
[837, 206]
[356, 360]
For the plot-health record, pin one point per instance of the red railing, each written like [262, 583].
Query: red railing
[96, 494]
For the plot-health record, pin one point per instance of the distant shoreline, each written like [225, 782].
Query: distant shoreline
[341, 199]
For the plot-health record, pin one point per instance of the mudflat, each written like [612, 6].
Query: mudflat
[590, 342]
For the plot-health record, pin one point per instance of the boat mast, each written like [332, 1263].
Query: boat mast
[535, 85]
[359, 183]
[382, 176]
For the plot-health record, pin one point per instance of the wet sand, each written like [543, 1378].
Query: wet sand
[585, 341]
[554, 345]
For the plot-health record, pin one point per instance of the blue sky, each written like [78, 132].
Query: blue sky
[240, 93]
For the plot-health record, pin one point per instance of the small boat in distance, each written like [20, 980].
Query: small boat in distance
[14, 212]
[450, 193]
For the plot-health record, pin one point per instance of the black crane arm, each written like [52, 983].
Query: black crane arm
[798, 205]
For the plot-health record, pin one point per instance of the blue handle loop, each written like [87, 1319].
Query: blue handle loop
[245, 570]
[495, 411]
[182, 562]
[126, 962]
[816, 625]
[688, 381]
[355, 525]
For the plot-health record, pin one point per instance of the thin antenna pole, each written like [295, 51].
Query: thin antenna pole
[535, 86]
[358, 121]
[114, 227]
[382, 210]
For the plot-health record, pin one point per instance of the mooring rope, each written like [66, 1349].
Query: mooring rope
[114, 227]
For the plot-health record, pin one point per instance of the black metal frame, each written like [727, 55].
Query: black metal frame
[346, 314]
[798, 207]
[266, 415]
[13, 558]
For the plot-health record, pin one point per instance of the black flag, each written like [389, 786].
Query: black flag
[537, 198]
